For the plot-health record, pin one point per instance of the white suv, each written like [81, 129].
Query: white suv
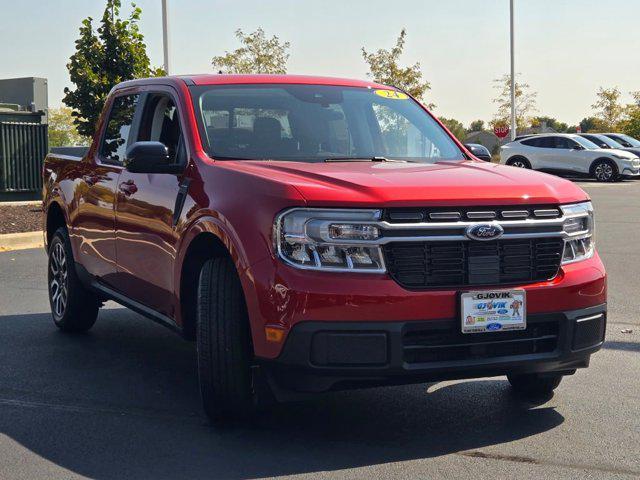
[570, 154]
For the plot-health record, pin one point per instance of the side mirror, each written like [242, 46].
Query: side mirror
[578, 147]
[150, 157]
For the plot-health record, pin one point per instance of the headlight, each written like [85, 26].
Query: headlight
[323, 239]
[579, 227]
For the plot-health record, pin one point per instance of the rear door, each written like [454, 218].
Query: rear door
[146, 237]
[93, 231]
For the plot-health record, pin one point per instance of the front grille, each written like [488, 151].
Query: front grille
[416, 265]
[444, 342]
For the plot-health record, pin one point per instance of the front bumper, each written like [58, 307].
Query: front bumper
[631, 172]
[321, 356]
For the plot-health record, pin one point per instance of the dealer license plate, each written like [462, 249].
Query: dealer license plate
[493, 311]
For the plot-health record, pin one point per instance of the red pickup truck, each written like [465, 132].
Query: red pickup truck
[313, 234]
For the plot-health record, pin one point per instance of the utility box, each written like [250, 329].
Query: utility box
[30, 93]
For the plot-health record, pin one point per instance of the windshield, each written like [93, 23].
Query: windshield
[316, 122]
[630, 140]
[609, 141]
[585, 143]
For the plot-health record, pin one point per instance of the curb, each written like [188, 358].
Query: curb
[21, 241]
[32, 203]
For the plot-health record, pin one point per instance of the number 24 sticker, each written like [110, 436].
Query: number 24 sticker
[392, 94]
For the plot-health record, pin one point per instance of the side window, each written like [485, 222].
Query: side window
[564, 143]
[531, 142]
[547, 142]
[116, 136]
[160, 123]
[620, 140]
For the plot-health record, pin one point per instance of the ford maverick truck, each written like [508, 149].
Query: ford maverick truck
[314, 234]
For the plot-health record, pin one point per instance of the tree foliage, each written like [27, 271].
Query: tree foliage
[549, 122]
[103, 58]
[385, 69]
[609, 109]
[62, 130]
[258, 54]
[525, 102]
[592, 124]
[476, 126]
[631, 124]
[455, 127]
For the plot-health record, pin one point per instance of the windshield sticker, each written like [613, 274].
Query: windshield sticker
[392, 94]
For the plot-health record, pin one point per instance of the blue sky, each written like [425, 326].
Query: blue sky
[565, 49]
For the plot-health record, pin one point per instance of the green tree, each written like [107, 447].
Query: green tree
[384, 68]
[476, 126]
[62, 130]
[258, 54]
[631, 124]
[455, 127]
[608, 108]
[550, 122]
[103, 58]
[592, 124]
[525, 102]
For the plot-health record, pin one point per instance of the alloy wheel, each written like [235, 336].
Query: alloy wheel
[519, 164]
[58, 280]
[603, 172]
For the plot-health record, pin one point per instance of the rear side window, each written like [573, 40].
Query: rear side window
[531, 142]
[116, 136]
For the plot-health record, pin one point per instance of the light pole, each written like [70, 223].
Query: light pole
[165, 35]
[513, 79]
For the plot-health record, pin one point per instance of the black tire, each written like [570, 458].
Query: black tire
[519, 162]
[605, 170]
[225, 352]
[534, 384]
[73, 307]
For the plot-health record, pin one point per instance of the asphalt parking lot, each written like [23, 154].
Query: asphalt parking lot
[122, 401]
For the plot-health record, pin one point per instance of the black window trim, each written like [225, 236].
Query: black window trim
[119, 93]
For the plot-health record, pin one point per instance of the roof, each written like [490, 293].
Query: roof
[223, 79]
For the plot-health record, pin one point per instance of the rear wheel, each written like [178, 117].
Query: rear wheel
[534, 384]
[73, 307]
[519, 162]
[225, 354]
[605, 171]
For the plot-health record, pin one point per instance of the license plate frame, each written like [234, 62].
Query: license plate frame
[492, 311]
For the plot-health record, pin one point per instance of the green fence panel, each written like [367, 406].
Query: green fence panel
[23, 147]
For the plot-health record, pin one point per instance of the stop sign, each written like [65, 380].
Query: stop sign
[501, 131]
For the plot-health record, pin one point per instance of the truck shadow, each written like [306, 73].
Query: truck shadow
[122, 402]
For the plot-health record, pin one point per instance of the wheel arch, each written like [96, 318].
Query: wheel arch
[55, 218]
[205, 239]
[600, 159]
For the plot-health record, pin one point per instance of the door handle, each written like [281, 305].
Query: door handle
[128, 187]
[90, 179]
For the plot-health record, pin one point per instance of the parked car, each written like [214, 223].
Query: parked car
[313, 234]
[602, 141]
[572, 155]
[479, 151]
[626, 141]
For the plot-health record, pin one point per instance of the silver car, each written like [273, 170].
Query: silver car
[570, 154]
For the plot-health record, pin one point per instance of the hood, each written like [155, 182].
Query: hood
[616, 152]
[632, 150]
[411, 184]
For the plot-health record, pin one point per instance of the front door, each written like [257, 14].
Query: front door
[93, 229]
[146, 238]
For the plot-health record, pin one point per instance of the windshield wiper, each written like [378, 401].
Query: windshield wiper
[361, 159]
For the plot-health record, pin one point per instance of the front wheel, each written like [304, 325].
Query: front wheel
[605, 171]
[519, 162]
[534, 384]
[74, 308]
[225, 353]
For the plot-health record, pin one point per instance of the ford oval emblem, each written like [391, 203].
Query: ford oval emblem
[484, 231]
[494, 326]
